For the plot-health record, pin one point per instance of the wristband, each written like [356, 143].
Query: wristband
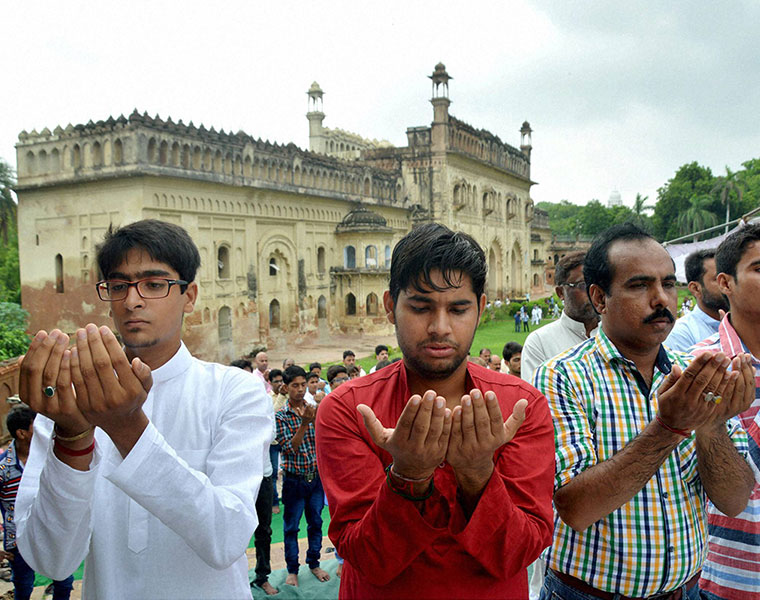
[69, 452]
[409, 479]
[74, 438]
[405, 490]
[664, 425]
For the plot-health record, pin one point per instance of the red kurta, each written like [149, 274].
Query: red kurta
[392, 550]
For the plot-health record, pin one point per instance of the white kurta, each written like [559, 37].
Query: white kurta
[171, 520]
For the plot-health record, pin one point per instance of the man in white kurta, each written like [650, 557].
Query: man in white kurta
[157, 493]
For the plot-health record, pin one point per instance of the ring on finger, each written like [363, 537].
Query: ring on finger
[49, 391]
[711, 397]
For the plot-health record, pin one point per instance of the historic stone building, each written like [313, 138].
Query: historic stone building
[291, 241]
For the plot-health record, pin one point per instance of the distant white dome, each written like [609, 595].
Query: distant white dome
[615, 199]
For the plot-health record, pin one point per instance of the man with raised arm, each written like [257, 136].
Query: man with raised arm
[438, 472]
[643, 441]
[149, 465]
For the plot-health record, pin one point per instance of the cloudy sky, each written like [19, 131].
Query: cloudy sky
[619, 94]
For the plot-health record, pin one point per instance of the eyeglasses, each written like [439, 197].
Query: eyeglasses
[580, 285]
[113, 290]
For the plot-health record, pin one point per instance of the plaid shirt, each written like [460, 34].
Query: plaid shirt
[304, 460]
[732, 569]
[654, 543]
[10, 476]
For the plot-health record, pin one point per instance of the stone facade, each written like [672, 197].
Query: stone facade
[292, 241]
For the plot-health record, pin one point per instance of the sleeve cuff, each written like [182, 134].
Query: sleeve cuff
[70, 483]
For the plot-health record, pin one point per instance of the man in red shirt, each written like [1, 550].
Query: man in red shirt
[432, 493]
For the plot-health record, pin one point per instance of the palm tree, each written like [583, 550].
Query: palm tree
[697, 217]
[639, 210]
[7, 204]
[727, 184]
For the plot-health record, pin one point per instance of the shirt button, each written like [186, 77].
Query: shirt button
[665, 495]
[671, 548]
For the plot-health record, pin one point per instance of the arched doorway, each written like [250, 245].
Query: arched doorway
[515, 263]
[274, 314]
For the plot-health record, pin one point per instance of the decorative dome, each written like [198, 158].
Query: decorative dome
[362, 219]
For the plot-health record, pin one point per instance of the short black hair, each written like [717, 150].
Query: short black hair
[694, 265]
[732, 249]
[164, 242]
[20, 417]
[348, 353]
[432, 247]
[596, 266]
[311, 375]
[333, 370]
[315, 365]
[242, 363]
[483, 350]
[380, 348]
[510, 349]
[275, 373]
[381, 364]
[566, 264]
[291, 373]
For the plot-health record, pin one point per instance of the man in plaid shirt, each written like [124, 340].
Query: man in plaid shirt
[301, 487]
[732, 569]
[641, 439]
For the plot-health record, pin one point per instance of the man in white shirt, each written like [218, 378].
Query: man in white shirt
[349, 360]
[149, 466]
[261, 362]
[703, 321]
[576, 324]
[381, 354]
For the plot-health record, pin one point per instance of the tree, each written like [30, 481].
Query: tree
[675, 197]
[7, 204]
[728, 185]
[14, 340]
[697, 216]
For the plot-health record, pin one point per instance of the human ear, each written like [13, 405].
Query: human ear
[725, 283]
[191, 295]
[390, 307]
[598, 298]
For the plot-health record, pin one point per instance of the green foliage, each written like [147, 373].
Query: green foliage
[13, 337]
[566, 219]
[675, 197]
[10, 285]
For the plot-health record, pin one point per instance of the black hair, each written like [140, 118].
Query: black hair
[482, 349]
[353, 369]
[380, 348]
[433, 247]
[566, 264]
[510, 349]
[596, 266]
[315, 365]
[275, 373]
[694, 265]
[381, 364]
[20, 417]
[291, 373]
[164, 242]
[311, 375]
[242, 363]
[732, 249]
[348, 353]
[333, 370]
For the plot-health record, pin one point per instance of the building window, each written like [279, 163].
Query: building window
[225, 324]
[274, 314]
[273, 268]
[372, 305]
[350, 304]
[349, 257]
[223, 262]
[535, 254]
[320, 260]
[58, 274]
[370, 256]
[535, 280]
[387, 257]
[322, 308]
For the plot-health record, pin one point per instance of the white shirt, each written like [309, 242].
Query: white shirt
[171, 520]
[691, 329]
[552, 339]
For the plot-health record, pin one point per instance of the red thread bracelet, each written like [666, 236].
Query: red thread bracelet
[69, 452]
[664, 425]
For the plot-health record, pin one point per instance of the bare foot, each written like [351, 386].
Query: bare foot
[321, 574]
[292, 579]
[275, 510]
[269, 589]
[339, 570]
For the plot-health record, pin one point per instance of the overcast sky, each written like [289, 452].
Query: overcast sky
[619, 94]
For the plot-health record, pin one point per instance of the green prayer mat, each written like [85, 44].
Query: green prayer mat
[309, 587]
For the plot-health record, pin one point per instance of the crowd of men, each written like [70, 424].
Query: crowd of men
[597, 457]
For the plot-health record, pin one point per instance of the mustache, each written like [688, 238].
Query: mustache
[434, 340]
[660, 313]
